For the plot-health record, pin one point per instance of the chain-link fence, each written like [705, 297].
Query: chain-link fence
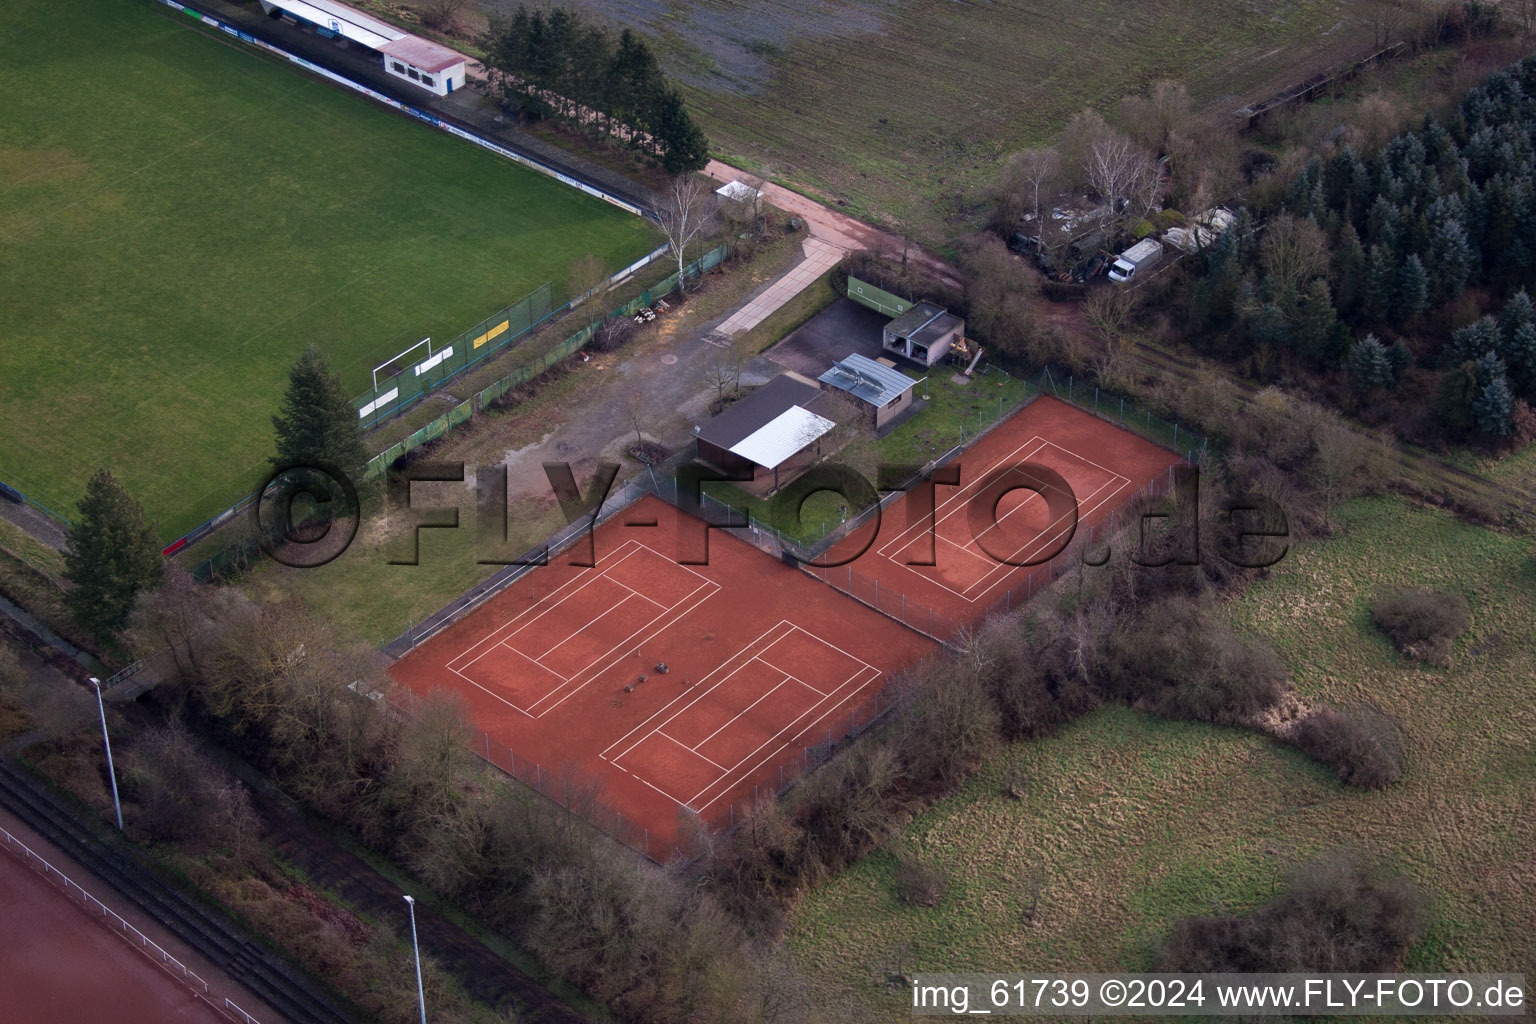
[425, 370]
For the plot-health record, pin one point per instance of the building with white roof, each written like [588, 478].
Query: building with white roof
[423, 63]
[771, 434]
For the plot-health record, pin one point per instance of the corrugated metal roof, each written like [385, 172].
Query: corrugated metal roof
[352, 24]
[781, 437]
[865, 378]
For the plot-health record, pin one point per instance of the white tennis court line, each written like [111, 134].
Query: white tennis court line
[691, 750]
[994, 566]
[507, 642]
[542, 607]
[753, 645]
[1049, 536]
[731, 721]
[710, 588]
[499, 636]
[959, 498]
[806, 721]
[854, 682]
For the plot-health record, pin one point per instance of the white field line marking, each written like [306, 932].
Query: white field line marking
[1051, 529]
[501, 635]
[732, 720]
[605, 755]
[632, 641]
[543, 607]
[837, 699]
[1051, 534]
[959, 497]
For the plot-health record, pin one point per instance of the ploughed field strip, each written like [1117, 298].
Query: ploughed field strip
[954, 555]
[676, 688]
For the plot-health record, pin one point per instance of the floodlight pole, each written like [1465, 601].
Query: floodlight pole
[111, 772]
[421, 994]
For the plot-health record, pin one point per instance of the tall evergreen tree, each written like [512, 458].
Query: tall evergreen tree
[1450, 260]
[317, 421]
[1477, 339]
[1520, 357]
[1491, 412]
[1411, 297]
[1401, 357]
[1369, 366]
[1380, 284]
[1349, 270]
[685, 147]
[1458, 393]
[1317, 326]
[110, 555]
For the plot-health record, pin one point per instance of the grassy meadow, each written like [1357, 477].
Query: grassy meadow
[1129, 821]
[894, 105]
[180, 215]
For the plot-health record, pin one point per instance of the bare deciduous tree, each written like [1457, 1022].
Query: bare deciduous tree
[1120, 171]
[589, 281]
[722, 373]
[1108, 310]
[1031, 179]
[1294, 251]
[686, 214]
[1156, 117]
[442, 15]
[1524, 13]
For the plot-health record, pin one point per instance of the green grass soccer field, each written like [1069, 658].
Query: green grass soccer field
[180, 215]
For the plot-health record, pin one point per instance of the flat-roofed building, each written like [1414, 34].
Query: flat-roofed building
[770, 434]
[423, 63]
[881, 393]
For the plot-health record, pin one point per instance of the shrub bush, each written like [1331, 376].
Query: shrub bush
[1362, 747]
[918, 884]
[1183, 662]
[1422, 622]
[612, 333]
[1336, 915]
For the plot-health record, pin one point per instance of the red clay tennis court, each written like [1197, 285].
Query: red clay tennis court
[955, 561]
[563, 670]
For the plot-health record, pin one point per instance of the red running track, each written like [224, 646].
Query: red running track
[60, 965]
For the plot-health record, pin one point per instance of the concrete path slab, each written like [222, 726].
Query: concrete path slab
[820, 256]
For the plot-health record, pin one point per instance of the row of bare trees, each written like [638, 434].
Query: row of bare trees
[1117, 163]
[306, 703]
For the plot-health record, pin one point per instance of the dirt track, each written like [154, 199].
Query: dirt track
[839, 229]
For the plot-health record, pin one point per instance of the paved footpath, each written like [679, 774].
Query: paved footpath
[820, 257]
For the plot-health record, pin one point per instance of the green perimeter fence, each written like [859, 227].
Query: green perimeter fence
[423, 372]
[465, 410]
[237, 556]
